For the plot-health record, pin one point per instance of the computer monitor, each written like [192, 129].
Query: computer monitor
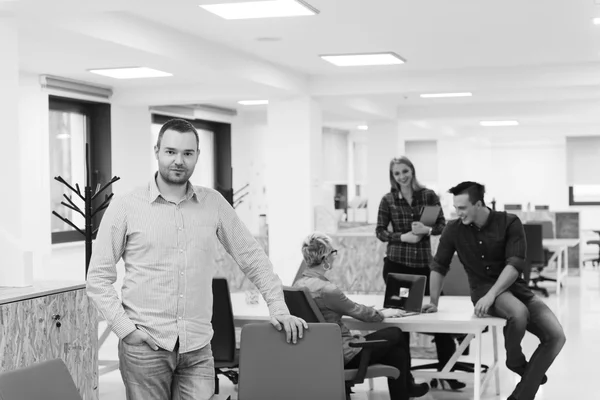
[405, 292]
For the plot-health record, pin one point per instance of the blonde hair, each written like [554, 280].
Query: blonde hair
[315, 248]
[415, 184]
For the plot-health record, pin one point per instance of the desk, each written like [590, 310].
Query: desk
[455, 316]
[560, 248]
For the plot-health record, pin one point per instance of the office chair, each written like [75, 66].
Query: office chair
[301, 304]
[225, 354]
[536, 257]
[271, 368]
[48, 380]
[595, 261]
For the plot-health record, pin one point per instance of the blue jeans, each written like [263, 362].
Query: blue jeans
[533, 315]
[166, 375]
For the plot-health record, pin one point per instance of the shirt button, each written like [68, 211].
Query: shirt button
[180, 295]
[179, 228]
[181, 250]
[180, 317]
[482, 256]
[181, 273]
[480, 242]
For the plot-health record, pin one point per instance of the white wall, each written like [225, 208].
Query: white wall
[248, 154]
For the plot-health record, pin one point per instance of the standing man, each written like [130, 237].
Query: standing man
[492, 247]
[166, 233]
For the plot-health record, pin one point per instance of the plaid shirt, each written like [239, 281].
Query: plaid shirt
[395, 209]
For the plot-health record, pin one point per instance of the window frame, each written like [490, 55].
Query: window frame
[572, 201]
[98, 135]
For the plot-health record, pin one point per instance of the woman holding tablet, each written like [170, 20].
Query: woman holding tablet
[409, 245]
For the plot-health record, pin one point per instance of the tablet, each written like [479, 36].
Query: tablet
[429, 215]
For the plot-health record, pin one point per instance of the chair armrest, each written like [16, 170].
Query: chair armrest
[365, 357]
[369, 344]
[220, 397]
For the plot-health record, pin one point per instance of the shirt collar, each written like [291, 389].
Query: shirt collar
[154, 192]
[488, 221]
[310, 273]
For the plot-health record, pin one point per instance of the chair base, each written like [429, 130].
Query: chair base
[459, 366]
[232, 375]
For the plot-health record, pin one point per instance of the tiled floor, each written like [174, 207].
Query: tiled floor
[571, 377]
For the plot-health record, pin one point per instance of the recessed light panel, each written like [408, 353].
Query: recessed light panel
[253, 102]
[261, 9]
[442, 95]
[499, 123]
[130, 73]
[353, 60]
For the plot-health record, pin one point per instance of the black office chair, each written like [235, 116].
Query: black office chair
[301, 304]
[595, 261]
[225, 354]
[536, 258]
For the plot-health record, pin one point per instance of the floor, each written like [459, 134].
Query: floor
[571, 376]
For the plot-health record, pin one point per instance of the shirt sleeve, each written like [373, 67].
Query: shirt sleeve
[516, 244]
[337, 301]
[440, 223]
[102, 273]
[443, 257]
[250, 257]
[383, 220]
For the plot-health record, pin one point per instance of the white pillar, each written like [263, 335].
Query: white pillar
[384, 143]
[293, 168]
[35, 177]
[16, 267]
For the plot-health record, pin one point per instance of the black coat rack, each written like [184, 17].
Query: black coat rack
[89, 212]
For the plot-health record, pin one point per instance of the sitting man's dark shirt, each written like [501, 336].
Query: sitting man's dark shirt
[485, 252]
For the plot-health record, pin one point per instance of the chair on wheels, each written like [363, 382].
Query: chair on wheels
[536, 258]
[225, 354]
[595, 261]
[302, 305]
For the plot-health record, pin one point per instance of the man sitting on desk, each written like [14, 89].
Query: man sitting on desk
[491, 245]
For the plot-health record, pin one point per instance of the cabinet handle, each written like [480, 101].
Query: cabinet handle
[56, 317]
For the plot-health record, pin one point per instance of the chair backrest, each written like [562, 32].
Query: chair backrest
[48, 380]
[271, 368]
[301, 304]
[223, 340]
[513, 207]
[456, 282]
[535, 246]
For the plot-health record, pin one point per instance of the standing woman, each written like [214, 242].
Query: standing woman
[409, 245]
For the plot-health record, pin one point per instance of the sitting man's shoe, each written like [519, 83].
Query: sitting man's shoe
[521, 370]
[418, 389]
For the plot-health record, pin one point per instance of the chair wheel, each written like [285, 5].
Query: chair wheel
[434, 383]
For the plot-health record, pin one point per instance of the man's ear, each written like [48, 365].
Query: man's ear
[156, 149]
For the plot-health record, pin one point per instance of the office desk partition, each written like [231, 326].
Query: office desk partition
[455, 316]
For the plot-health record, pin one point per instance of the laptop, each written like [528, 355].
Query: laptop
[405, 292]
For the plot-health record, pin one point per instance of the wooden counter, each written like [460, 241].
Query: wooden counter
[51, 320]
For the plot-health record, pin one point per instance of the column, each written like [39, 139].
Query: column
[294, 158]
[384, 143]
[16, 264]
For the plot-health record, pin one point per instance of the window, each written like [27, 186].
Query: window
[74, 123]
[584, 195]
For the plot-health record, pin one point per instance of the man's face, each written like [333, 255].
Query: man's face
[177, 156]
[464, 209]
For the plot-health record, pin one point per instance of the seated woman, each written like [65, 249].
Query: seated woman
[319, 255]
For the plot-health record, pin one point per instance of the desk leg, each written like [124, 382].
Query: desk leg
[477, 377]
[559, 267]
[496, 363]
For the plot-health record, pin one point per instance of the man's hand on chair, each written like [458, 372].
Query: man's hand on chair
[429, 308]
[293, 326]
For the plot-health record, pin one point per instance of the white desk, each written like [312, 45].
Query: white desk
[455, 316]
[560, 248]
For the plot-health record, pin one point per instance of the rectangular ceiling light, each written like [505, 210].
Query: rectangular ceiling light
[499, 123]
[130, 73]
[261, 9]
[596, 21]
[441, 95]
[353, 60]
[253, 102]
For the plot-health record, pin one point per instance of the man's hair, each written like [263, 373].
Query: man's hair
[475, 190]
[177, 125]
[315, 248]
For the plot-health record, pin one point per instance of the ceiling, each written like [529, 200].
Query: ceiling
[535, 61]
